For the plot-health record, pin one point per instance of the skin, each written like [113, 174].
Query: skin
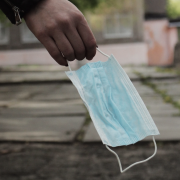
[63, 30]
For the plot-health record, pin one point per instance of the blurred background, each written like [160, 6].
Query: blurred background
[46, 131]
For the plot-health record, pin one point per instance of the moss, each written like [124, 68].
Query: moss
[168, 70]
[176, 115]
[168, 99]
[80, 135]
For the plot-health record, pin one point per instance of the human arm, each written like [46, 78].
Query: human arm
[62, 29]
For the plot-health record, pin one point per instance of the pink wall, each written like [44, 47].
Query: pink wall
[161, 40]
[129, 53]
[30, 56]
[158, 49]
[126, 53]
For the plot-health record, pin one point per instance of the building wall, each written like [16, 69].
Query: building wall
[126, 54]
[155, 9]
[129, 53]
[155, 6]
[23, 48]
[121, 21]
[161, 41]
[157, 48]
[151, 42]
[16, 39]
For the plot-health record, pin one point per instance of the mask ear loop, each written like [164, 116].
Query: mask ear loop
[97, 49]
[119, 161]
[69, 65]
[102, 53]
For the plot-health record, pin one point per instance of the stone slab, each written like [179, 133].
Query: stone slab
[19, 74]
[33, 68]
[162, 107]
[22, 91]
[43, 110]
[60, 92]
[19, 77]
[39, 76]
[40, 92]
[172, 89]
[167, 113]
[144, 90]
[47, 129]
[153, 73]
[91, 135]
[166, 81]
[169, 128]
[157, 107]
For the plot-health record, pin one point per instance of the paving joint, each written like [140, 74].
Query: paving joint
[167, 98]
[81, 133]
[65, 81]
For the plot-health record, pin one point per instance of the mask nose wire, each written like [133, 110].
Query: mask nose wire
[119, 161]
[97, 50]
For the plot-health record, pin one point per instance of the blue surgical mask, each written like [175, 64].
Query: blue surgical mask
[116, 109]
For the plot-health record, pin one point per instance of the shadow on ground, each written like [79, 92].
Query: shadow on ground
[87, 162]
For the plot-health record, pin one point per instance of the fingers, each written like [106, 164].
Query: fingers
[53, 50]
[62, 29]
[64, 45]
[77, 43]
[88, 39]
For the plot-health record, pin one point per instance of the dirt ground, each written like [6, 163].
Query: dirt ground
[78, 161]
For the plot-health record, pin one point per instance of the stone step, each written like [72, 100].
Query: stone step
[43, 110]
[46, 129]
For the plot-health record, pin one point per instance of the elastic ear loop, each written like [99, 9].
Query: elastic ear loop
[119, 161]
[102, 53]
[69, 65]
[97, 49]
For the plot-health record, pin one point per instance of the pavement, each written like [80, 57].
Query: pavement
[37, 161]
[43, 120]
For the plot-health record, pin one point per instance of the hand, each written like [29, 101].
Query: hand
[62, 29]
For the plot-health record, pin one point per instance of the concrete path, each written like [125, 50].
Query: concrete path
[48, 129]
[52, 110]
[37, 74]
[87, 162]
[45, 112]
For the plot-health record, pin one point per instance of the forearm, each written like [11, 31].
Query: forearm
[11, 8]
